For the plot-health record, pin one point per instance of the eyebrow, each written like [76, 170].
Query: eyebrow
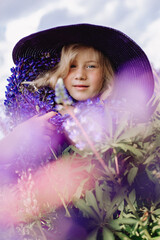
[91, 61]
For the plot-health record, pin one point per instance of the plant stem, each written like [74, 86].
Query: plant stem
[52, 151]
[64, 204]
[41, 230]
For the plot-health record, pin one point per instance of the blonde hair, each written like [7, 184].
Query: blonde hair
[61, 70]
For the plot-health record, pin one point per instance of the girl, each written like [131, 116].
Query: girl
[95, 63]
[115, 63]
[87, 73]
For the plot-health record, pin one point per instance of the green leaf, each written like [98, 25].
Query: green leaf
[132, 174]
[118, 223]
[106, 200]
[86, 210]
[132, 196]
[156, 212]
[129, 221]
[119, 197]
[121, 207]
[122, 236]
[99, 195]
[93, 235]
[149, 159]
[121, 127]
[107, 234]
[115, 225]
[73, 148]
[80, 189]
[132, 132]
[92, 202]
[156, 228]
[105, 148]
[128, 215]
[127, 147]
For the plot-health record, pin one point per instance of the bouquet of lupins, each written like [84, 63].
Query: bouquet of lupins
[125, 203]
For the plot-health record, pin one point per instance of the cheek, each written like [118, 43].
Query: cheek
[67, 82]
[98, 84]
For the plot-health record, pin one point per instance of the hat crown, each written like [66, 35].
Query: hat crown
[121, 50]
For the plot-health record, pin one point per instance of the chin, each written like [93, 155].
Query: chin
[81, 98]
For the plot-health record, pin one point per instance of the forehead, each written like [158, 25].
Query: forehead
[88, 53]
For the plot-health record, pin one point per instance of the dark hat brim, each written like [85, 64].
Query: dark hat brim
[118, 47]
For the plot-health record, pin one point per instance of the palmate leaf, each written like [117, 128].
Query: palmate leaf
[80, 189]
[103, 197]
[106, 147]
[127, 147]
[86, 210]
[125, 223]
[107, 234]
[156, 212]
[93, 235]
[132, 133]
[122, 236]
[99, 195]
[92, 202]
[121, 127]
[116, 201]
[132, 174]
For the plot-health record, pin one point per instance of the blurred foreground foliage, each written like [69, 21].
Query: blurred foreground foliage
[125, 203]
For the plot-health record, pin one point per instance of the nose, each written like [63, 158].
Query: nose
[80, 74]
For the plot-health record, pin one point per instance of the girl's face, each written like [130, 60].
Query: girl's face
[85, 78]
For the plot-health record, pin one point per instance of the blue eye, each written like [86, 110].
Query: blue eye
[91, 66]
[72, 66]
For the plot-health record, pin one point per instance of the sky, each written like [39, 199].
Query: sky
[139, 19]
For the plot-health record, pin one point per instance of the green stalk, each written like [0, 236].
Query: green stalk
[41, 230]
[64, 205]
[52, 151]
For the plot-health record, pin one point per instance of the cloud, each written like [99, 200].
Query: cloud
[151, 39]
[1, 58]
[139, 19]
[18, 8]
[2, 32]
[95, 8]
[135, 16]
[57, 18]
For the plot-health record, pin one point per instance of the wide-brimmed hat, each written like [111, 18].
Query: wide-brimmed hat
[121, 50]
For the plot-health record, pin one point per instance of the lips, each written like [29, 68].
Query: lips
[80, 86]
